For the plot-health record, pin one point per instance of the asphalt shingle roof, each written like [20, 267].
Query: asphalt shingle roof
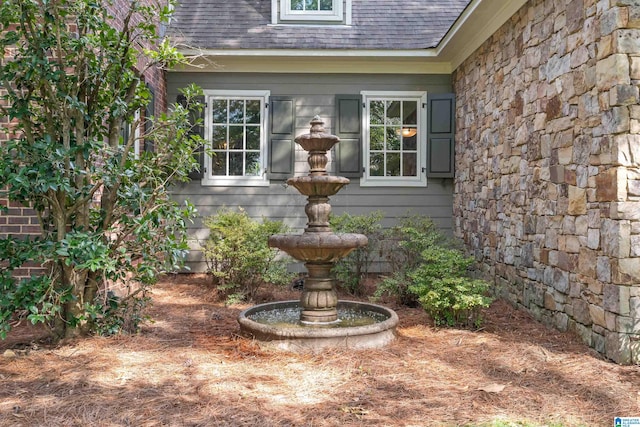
[376, 24]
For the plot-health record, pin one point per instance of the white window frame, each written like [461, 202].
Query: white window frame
[248, 181]
[287, 14]
[136, 134]
[125, 133]
[420, 180]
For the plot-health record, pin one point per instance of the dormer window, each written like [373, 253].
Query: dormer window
[316, 11]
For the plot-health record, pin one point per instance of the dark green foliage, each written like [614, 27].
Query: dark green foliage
[351, 270]
[112, 315]
[446, 291]
[72, 83]
[238, 256]
[402, 249]
[428, 269]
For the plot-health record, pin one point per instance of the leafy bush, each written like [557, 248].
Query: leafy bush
[352, 269]
[445, 290]
[406, 241]
[429, 270]
[402, 249]
[238, 256]
[105, 211]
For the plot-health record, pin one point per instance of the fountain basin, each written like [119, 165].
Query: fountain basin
[288, 333]
[318, 247]
[318, 185]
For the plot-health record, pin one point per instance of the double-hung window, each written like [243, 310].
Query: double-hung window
[311, 10]
[235, 128]
[394, 126]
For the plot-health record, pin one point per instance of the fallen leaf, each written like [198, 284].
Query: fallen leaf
[492, 388]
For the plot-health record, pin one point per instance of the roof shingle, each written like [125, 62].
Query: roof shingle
[376, 24]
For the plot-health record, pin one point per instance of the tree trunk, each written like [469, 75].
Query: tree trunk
[77, 280]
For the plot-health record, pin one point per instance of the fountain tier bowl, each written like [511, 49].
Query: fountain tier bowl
[277, 325]
[318, 247]
[318, 185]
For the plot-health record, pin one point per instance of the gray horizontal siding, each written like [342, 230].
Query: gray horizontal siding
[314, 94]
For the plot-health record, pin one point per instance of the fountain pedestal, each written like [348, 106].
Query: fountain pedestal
[319, 299]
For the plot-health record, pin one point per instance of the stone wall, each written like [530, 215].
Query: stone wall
[547, 193]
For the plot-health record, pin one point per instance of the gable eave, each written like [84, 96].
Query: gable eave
[410, 61]
[479, 21]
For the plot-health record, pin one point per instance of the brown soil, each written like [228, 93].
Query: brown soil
[190, 368]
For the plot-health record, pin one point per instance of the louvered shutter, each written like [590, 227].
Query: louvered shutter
[348, 122]
[440, 135]
[149, 112]
[281, 137]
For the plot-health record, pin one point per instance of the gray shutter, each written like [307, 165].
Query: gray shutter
[347, 127]
[281, 150]
[149, 112]
[440, 135]
[196, 130]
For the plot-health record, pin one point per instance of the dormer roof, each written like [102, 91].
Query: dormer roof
[374, 24]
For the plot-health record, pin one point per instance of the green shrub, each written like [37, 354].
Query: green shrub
[402, 248]
[428, 269]
[238, 256]
[352, 269]
[445, 290]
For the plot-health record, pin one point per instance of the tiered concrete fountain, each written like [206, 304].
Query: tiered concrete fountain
[319, 320]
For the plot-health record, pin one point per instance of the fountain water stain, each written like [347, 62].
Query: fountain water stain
[319, 320]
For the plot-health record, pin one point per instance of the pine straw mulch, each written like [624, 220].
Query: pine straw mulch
[190, 368]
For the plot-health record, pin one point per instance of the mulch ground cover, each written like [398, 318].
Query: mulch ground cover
[189, 367]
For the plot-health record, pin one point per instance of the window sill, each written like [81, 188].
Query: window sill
[226, 182]
[386, 182]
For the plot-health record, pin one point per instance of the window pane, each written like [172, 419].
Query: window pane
[219, 137]
[253, 138]
[326, 4]
[376, 166]
[393, 113]
[393, 164]
[253, 111]
[409, 142]
[297, 4]
[393, 138]
[235, 164]
[409, 164]
[409, 112]
[219, 107]
[377, 138]
[376, 111]
[235, 137]
[311, 4]
[236, 111]
[219, 163]
[253, 164]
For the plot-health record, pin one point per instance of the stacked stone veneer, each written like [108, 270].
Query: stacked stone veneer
[547, 192]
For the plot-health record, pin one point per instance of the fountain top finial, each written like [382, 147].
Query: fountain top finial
[317, 139]
[317, 125]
